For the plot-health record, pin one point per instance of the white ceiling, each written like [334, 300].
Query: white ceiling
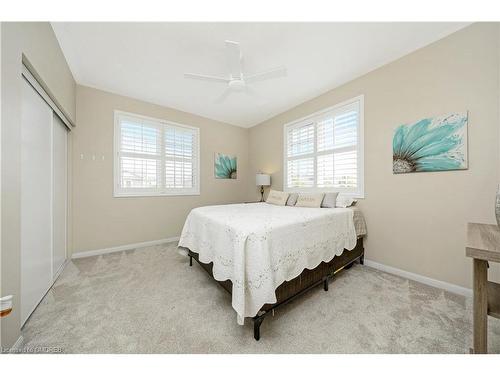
[147, 60]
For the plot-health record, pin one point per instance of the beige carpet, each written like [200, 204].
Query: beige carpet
[150, 301]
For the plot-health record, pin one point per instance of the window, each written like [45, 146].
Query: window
[324, 151]
[155, 157]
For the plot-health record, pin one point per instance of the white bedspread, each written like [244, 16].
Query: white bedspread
[258, 246]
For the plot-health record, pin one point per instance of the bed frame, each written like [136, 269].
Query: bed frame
[290, 290]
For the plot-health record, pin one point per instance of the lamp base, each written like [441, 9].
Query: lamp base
[262, 193]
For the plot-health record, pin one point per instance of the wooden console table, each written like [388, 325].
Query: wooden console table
[483, 245]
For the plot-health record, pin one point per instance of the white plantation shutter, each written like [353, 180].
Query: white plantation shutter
[180, 157]
[155, 157]
[301, 172]
[140, 155]
[300, 142]
[324, 151]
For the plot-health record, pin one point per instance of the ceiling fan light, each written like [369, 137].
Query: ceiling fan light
[237, 84]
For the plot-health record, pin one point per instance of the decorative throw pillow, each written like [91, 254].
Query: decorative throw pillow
[330, 200]
[343, 201]
[292, 199]
[309, 200]
[277, 197]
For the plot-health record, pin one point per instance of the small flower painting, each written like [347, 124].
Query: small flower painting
[225, 166]
[431, 144]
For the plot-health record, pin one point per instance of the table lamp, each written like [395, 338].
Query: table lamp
[262, 180]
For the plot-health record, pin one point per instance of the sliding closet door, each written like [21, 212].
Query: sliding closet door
[36, 200]
[59, 193]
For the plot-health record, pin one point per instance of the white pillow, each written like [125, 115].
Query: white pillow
[343, 201]
[309, 200]
[277, 197]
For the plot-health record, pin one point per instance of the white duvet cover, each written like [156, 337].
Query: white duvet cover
[258, 246]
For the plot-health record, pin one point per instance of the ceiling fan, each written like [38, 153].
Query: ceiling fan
[237, 81]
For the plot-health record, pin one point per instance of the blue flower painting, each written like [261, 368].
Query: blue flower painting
[431, 144]
[225, 166]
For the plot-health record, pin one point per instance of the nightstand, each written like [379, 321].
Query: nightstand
[483, 246]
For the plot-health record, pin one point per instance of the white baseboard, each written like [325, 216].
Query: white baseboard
[421, 279]
[84, 254]
[18, 345]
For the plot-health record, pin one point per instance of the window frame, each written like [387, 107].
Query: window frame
[359, 192]
[120, 192]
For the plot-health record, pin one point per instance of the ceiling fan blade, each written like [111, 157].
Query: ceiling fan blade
[267, 74]
[203, 77]
[224, 95]
[233, 58]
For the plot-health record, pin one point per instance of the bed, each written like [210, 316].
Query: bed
[267, 255]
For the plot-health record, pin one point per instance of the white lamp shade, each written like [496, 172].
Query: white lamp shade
[262, 179]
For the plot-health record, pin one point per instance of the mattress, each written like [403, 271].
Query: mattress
[258, 246]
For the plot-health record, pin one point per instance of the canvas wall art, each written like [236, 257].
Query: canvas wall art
[226, 166]
[431, 144]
